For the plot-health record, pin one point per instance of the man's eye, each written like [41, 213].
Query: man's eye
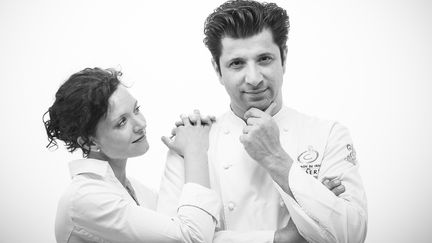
[236, 64]
[265, 59]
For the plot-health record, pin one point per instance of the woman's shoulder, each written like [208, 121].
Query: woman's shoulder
[81, 190]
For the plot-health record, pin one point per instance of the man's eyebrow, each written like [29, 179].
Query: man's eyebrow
[266, 54]
[235, 59]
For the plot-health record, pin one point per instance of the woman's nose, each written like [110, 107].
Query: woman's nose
[140, 124]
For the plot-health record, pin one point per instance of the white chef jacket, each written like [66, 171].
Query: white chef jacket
[97, 208]
[254, 206]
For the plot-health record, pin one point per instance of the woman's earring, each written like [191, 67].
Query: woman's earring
[97, 149]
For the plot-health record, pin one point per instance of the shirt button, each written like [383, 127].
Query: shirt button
[227, 132]
[281, 203]
[227, 166]
[231, 206]
[285, 129]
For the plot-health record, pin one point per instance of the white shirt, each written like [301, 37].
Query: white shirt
[97, 208]
[253, 204]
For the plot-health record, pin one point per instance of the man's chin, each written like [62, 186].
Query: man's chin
[260, 105]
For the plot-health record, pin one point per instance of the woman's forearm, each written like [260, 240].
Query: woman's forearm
[196, 167]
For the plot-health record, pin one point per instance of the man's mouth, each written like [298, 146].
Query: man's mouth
[139, 139]
[255, 91]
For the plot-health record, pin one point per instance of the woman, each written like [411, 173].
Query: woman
[93, 112]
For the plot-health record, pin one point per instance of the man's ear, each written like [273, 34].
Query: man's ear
[217, 70]
[284, 58]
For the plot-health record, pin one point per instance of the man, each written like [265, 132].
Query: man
[269, 162]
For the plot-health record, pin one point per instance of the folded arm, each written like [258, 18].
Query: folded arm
[319, 215]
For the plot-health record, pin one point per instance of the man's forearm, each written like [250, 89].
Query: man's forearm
[279, 166]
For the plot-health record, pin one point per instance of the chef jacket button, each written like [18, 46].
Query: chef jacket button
[227, 132]
[227, 166]
[285, 129]
[231, 206]
[281, 203]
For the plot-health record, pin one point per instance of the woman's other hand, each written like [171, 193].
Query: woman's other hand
[191, 134]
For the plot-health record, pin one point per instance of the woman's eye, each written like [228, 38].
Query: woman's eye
[137, 109]
[122, 122]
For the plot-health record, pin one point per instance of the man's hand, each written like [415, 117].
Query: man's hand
[334, 185]
[261, 141]
[261, 136]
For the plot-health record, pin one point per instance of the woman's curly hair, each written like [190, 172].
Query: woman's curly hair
[79, 104]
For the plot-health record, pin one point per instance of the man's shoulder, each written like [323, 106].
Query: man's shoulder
[312, 128]
[222, 120]
[301, 120]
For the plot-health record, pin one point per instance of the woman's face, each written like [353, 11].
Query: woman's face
[121, 134]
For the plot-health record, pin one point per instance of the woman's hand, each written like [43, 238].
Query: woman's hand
[190, 134]
[192, 142]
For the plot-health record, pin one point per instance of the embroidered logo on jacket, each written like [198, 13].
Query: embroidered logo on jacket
[352, 154]
[307, 158]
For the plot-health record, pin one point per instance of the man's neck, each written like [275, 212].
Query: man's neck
[240, 112]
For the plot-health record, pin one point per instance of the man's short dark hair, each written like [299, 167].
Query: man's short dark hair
[242, 19]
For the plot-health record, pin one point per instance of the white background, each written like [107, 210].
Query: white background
[367, 64]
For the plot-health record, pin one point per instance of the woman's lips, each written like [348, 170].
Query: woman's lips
[139, 139]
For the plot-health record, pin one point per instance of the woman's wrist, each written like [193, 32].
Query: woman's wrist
[192, 157]
[196, 168]
[192, 151]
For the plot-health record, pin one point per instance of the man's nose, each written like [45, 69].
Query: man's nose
[253, 75]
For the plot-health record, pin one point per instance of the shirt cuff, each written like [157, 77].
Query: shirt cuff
[304, 208]
[317, 200]
[201, 197]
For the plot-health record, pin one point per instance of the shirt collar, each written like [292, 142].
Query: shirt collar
[95, 166]
[280, 115]
[284, 118]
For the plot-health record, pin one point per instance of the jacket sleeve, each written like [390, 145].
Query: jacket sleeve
[169, 194]
[227, 236]
[319, 215]
[172, 182]
[105, 215]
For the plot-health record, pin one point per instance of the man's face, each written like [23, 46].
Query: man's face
[252, 72]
